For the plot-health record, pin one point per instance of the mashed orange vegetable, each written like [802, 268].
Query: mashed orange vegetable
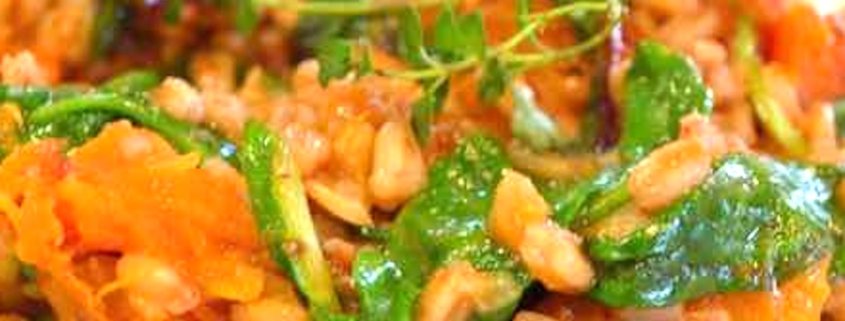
[127, 192]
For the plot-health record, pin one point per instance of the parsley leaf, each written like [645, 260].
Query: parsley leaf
[426, 109]
[335, 57]
[411, 46]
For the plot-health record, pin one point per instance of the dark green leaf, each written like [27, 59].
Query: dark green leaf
[581, 204]
[494, 80]
[444, 223]
[472, 33]
[411, 46]
[382, 291]
[365, 64]
[246, 16]
[458, 37]
[335, 57]
[108, 24]
[57, 118]
[425, 110]
[839, 112]
[173, 11]
[753, 223]
[660, 88]
[585, 23]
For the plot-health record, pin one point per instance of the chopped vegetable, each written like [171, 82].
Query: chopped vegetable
[752, 223]
[281, 211]
[532, 125]
[660, 88]
[445, 223]
[185, 137]
[586, 202]
[767, 109]
[458, 45]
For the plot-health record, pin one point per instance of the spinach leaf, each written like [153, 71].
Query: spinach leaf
[444, 223]
[580, 204]
[753, 222]
[183, 136]
[660, 88]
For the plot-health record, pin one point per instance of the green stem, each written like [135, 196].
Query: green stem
[281, 212]
[184, 137]
[537, 21]
[534, 60]
[505, 53]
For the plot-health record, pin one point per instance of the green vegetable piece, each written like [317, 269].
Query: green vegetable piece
[335, 57]
[281, 211]
[425, 110]
[753, 223]
[384, 295]
[660, 88]
[585, 23]
[247, 15]
[132, 83]
[184, 137]
[444, 223]
[839, 113]
[581, 204]
[456, 37]
[411, 46]
[173, 11]
[494, 79]
[532, 125]
[767, 109]
[29, 98]
[78, 129]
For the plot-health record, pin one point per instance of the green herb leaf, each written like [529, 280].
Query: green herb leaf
[335, 57]
[384, 294]
[173, 11]
[660, 88]
[246, 15]
[839, 113]
[494, 80]
[411, 46]
[455, 37]
[584, 203]
[365, 64]
[69, 111]
[444, 223]
[425, 110]
[752, 223]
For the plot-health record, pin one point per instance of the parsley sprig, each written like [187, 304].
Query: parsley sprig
[456, 45]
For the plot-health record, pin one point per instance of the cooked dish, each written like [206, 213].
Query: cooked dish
[429, 160]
